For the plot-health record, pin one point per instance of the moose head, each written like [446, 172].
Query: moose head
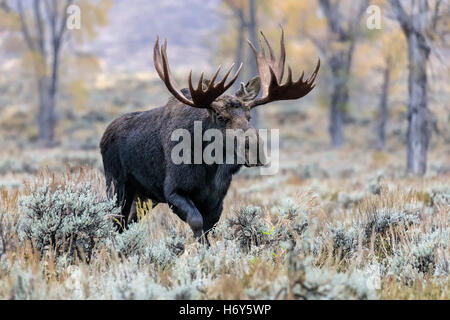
[233, 111]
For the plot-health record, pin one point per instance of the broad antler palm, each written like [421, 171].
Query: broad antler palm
[200, 98]
[271, 74]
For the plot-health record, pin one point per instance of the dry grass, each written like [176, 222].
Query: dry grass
[347, 240]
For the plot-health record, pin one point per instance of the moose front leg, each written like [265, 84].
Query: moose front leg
[187, 211]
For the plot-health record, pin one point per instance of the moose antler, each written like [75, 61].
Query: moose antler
[271, 74]
[200, 98]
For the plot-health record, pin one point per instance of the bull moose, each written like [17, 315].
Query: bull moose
[136, 147]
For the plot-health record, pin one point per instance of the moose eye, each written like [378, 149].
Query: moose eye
[221, 118]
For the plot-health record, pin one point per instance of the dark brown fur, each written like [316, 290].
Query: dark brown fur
[136, 150]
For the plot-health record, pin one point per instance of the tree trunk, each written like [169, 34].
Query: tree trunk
[253, 69]
[419, 133]
[46, 116]
[340, 64]
[239, 46]
[384, 107]
[336, 116]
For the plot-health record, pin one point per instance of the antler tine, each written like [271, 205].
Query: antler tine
[282, 60]
[301, 77]
[230, 83]
[252, 47]
[157, 59]
[222, 82]
[263, 52]
[191, 87]
[211, 84]
[289, 78]
[313, 76]
[272, 57]
[162, 68]
[200, 83]
[271, 73]
[214, 90]
[200, 98]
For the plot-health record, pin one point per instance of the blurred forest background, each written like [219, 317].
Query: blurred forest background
[383, 87]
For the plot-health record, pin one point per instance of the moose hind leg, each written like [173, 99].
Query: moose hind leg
[127, 199]
[133, 217]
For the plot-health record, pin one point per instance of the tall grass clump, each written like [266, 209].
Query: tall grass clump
[8, 238]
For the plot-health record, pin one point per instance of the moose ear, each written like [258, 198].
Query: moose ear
[249, 91]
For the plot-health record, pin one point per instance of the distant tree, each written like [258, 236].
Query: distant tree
[389, 61]
[384, 97]
[334, 28]
[424, 23]
[344, 30]
[42, 25]
[244, 11]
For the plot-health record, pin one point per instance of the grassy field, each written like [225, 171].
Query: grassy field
[330, 225]
[343, 223]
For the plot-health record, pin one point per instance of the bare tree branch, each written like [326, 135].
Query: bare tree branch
[331, 11]
[62, 27]
[24, 26]
[402, 17]
[39, 27]
[436, 15]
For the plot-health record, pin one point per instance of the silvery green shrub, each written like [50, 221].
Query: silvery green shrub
[311, 171]
[345, 239]
[23, 285]
[426, 254]
[312, 283]
[440, 195]
[380, 220]
[296, 221]
[132, 241]
[175, 242]
[125, 281]
[326, 285]
[201, 262]
[128, 282]
[163, 252]
[350, 199]
[375, 185]
[71, 220]
[247, 226]
[12, 165]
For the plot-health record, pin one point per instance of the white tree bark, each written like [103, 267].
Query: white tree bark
[418, 135]
[416, 25]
